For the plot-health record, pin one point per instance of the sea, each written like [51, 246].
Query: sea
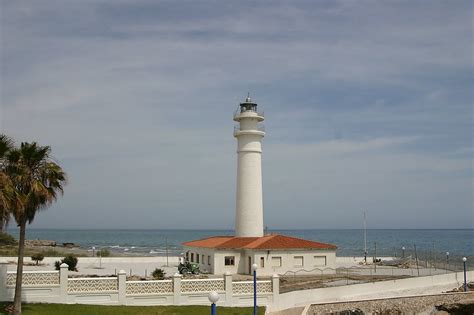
[380, 242]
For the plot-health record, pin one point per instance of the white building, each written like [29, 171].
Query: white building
[272, 253]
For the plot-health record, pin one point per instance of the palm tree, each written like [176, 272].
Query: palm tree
[6, 188]
[37, 180]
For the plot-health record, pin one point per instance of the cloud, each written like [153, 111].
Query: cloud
[136, 100]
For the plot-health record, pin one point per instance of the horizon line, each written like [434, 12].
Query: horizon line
[204, 229]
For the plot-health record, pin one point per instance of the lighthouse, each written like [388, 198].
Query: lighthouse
[272, 253]
[249, 202]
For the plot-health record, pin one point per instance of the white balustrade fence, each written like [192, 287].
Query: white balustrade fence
[202, 285]
[57, 287]
[246, 287]
[89, 285]
[34, 278]
[149, 287]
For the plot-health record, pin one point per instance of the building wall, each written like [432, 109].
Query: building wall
[299, 261]
[313, 261]
[203, 265]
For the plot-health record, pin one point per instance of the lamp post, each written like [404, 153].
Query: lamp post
[254, 270]
[464, 260]
[93, 251]
[213, 298]
[447, 261]
[403, 251]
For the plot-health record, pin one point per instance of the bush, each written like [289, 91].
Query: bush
[70, 260]
[37, 257]
[103, 253]
[158, 274]
[7, 239]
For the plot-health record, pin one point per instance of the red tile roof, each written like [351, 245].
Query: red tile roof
[272, 241]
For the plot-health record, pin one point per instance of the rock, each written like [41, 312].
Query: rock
[70, 245]
[40, 243]
[462, 307]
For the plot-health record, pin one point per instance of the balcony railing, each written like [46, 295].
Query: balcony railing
[260, 127]
[239, 111]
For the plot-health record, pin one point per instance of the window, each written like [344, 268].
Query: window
[202, 260]
[229, 260]
[187, 255]
[192, 257]
[276, 261]
[209, 260]
[320, 260]
[298, 261]
[262, 262]
[197, 258]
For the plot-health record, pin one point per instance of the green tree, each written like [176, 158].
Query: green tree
[37, 180]
[37, 257]
[6, 186]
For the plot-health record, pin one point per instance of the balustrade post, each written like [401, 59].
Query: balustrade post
[275, 286]
[122, 287]
[176, 289]
[63, 276]
[3, 281]
[228, 288]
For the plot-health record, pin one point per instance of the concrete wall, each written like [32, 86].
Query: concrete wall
[393, 288]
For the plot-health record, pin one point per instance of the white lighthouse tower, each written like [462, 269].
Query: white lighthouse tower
[272, 253]
[249, 202]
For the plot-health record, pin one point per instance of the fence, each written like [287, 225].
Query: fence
[387, 269]
[434, 259]
[56, 287]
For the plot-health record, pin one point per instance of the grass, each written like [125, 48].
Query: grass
[12, 251]
[81, 309]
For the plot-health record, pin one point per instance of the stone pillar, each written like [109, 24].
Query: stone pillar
[275, 286]
[122, 287]
[63, 275]
[228, 288]
[176, 289]
[3, 281]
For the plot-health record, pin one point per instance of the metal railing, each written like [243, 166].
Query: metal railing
[238, 112]
[260, 127]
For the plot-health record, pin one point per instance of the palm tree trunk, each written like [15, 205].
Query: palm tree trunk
[19, 269]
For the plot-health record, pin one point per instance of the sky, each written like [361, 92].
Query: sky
[368, 107]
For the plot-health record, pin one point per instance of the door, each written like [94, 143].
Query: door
[250, 265]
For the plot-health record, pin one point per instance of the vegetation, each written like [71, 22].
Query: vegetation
[51, 253]
[7, 189]
[69, 260]
[12, 251]
[103, 253]
[78, 309]
[158, 274]
[29, 181]
[7, 239]
[37, 257]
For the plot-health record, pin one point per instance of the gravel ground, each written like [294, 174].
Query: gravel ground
[408, 305]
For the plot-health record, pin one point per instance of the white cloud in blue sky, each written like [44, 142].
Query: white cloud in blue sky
[368, 106]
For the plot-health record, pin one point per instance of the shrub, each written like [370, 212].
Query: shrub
[7, 239]
[70, 260]
[158, 274]
[103, 253]
[37, 257]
